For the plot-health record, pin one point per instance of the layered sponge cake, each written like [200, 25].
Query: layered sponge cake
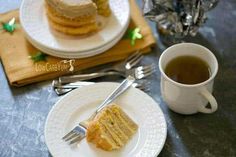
[103, 7]
[75, 17]
[111, 129]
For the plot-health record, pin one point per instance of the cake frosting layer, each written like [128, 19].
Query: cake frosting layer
[57, 18]
[73, 8]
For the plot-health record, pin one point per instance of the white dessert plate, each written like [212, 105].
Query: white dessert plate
[35, 24]
[81, 103]
[78, 55]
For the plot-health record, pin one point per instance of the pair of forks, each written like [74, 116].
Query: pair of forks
[125, 68]
[79, 132]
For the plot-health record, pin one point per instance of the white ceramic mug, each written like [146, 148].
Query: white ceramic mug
[184, 98]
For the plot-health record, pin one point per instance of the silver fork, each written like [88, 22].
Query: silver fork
[122, 66]
[79, 132]
[138, 73]
[63, 89]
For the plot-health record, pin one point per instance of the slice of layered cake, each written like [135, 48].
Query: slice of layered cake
[111, 128]
[75, 17]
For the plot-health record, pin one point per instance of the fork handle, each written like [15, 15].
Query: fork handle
[82, 77]
[117, 92]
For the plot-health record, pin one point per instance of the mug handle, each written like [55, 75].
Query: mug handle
[207, 95]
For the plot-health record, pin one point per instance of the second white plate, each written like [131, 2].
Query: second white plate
[35, 24]
[75, 55]
[80, 103]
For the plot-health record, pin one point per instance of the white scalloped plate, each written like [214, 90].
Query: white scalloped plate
[80, 103]
[35, 24]
[78, 55]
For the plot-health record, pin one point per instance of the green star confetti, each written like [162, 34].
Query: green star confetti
[9, 26]
[38, 57]
[133, 35]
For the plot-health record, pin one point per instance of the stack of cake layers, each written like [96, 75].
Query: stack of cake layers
[76, 17]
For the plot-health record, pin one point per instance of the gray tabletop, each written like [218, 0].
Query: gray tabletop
[23, 111]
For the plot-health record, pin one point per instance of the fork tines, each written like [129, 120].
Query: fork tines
[149, 69]
[75, 135]
[133, 60]
[144, 71]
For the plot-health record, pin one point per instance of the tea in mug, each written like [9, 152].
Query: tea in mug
[188, 70]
